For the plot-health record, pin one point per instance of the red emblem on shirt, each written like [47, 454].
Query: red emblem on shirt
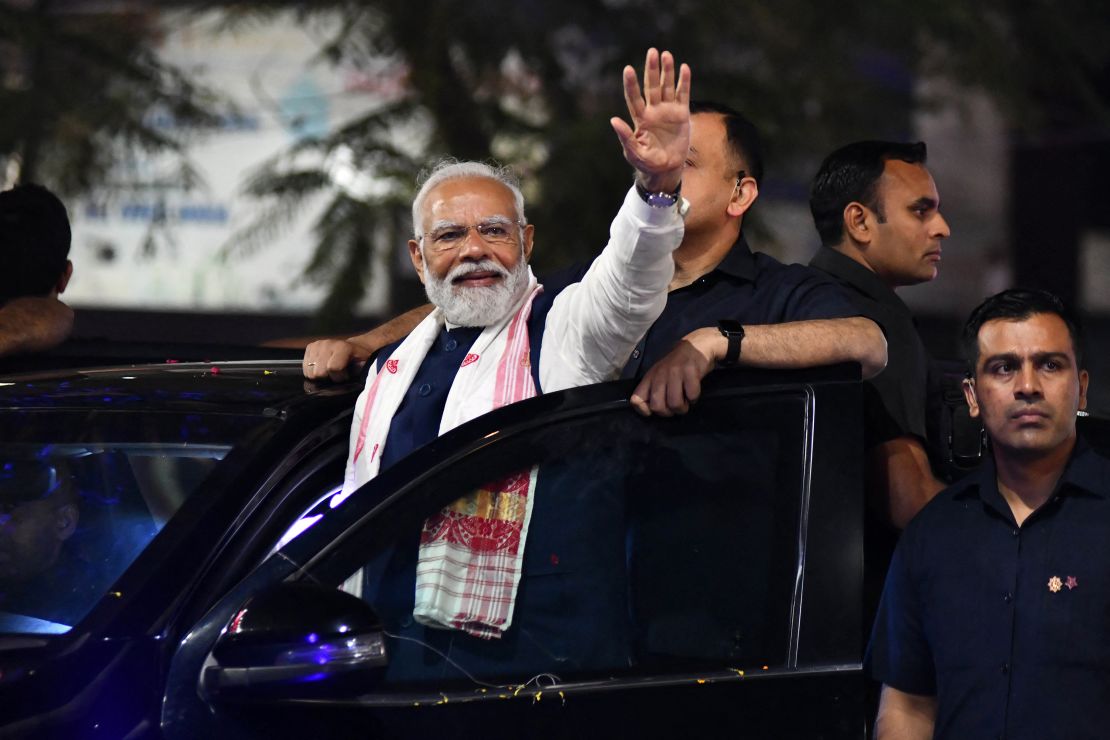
[1071, 582]
[469, 359]
[391, 366]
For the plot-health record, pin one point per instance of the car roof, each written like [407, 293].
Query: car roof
[265, 387]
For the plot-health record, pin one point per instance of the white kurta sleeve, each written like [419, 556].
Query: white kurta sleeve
[594, 325]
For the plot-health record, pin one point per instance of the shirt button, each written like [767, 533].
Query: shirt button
[1007, 597]
[1005, 668]
[1015, 531]
[424, 389]
[451, 345]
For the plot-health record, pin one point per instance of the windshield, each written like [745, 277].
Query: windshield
[82, 494]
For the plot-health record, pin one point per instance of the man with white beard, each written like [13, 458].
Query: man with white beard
[496, 337]
[471, 247]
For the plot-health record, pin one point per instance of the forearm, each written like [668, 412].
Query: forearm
[800, 344]
[594, 324]
[901, 478]
[33, 324]
[391, 331]
[905, 716]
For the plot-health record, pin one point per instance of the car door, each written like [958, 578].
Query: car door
[155, 513]
[678, 575]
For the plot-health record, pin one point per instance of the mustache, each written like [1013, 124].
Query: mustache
[486, 265]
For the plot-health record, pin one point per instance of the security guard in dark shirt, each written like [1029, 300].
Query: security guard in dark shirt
[877, 210]
[993, 619]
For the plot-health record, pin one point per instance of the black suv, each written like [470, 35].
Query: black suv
[207, 588]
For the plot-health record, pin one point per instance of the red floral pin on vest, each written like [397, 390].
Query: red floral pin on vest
[470, 359]
[391, 366]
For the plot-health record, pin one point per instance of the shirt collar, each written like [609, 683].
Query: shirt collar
[739, 262]
[848, 270]
[1086, 473]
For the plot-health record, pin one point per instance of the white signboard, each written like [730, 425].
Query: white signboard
[164, 248]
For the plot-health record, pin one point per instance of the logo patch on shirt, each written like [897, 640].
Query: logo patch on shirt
[1071, 582]
[391, 366]
[1055, 584]
[469, 360]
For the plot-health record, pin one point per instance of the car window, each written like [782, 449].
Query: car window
[83, 493]
[661, 544]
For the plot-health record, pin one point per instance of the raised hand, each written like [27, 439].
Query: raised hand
[658, 141]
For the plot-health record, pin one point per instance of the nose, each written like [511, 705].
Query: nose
[473, 246]
[1028, 382]
[941, 230]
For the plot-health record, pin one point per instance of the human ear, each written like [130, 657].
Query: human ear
[743, 196]
[65, 521]
[969, 395]
[417, 258]
[856, 224]
[527, 234]
[1083, 378]
[63, 281]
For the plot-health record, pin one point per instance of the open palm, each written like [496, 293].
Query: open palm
[658, 141]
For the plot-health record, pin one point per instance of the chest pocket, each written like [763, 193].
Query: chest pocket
[1070, 609]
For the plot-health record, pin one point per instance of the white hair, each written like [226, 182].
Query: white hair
[452, 169]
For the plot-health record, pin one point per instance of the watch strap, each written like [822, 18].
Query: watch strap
[658, 199]
[734, 333]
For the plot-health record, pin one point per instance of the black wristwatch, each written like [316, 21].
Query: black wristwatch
[734, 332]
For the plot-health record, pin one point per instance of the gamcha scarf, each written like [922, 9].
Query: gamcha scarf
[471, 552]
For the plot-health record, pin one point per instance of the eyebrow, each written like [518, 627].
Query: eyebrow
[497, 218]
[924, 202]
[1037, 357]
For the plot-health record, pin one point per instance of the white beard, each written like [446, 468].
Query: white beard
[479, 306]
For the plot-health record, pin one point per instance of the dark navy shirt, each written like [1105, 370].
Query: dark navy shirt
[1008, 626]
[895, 398]
[753, 288]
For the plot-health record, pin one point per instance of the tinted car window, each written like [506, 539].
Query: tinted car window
[82, 493]
[670, 545]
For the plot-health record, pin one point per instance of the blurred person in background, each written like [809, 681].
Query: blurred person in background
[41, 573]
[34, 249]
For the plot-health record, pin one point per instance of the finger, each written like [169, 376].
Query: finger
[338, 362]
[622, 129]
[676, 394]
[691, 386]
[666, 87]
[310, 363]
[659, 398]
[682, 90]
[638, 402]
[632, 96]
[651, 77]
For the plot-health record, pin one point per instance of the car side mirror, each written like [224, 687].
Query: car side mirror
[294, 640]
